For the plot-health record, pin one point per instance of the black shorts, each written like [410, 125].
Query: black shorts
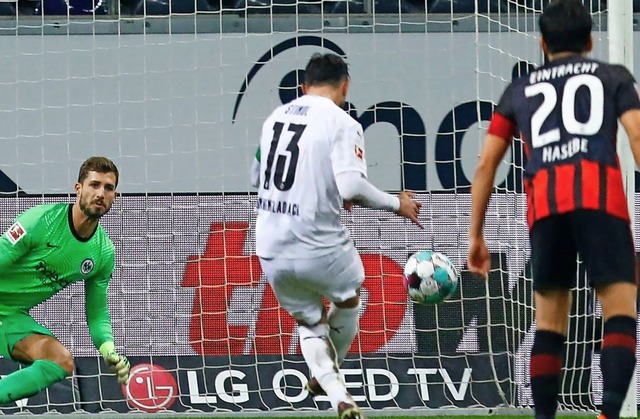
[604, 243]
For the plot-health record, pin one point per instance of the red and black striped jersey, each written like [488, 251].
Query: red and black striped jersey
[567, 115]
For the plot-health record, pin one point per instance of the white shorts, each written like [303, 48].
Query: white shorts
[300, 284]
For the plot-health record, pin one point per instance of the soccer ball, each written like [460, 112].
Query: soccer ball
[430, 277]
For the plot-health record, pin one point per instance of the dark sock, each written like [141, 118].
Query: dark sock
[617, 361]
[546, 368]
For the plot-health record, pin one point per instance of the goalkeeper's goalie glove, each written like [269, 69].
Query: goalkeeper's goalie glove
[118, 364]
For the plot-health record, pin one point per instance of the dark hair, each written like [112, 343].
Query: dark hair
[565, 26]
[97, 164]
[325, 69]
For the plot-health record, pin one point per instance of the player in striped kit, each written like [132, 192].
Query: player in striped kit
[567, 113]
[47, 248]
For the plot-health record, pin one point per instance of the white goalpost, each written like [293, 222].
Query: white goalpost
[620, 30]
[176, 96]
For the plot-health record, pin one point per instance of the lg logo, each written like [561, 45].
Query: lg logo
[151, 388]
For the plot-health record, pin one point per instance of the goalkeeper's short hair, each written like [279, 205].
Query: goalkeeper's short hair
[97, 164]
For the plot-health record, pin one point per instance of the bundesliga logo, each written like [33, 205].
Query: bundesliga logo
[16, 232]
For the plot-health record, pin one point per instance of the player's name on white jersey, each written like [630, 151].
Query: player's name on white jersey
[296, 110]
[278, 207]
[546, 74]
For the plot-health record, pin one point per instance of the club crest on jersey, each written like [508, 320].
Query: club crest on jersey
[87, 266]
[16, 232]
[359, 152]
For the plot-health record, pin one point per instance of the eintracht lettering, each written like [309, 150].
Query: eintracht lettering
[562, 70]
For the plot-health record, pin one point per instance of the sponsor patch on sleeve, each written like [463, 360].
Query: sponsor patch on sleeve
[359, 152]
[16, 232]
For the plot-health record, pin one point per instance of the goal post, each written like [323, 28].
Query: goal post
[620, 34]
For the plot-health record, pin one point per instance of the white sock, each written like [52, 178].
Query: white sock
[320, 355]
[344, 326]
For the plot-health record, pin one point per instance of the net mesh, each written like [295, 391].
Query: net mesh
[175, 93]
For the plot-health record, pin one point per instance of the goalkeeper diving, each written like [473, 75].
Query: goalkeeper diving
[47, 248]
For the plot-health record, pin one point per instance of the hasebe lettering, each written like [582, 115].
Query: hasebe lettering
[561, 152]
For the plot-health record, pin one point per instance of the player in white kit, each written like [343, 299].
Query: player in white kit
[312, 161]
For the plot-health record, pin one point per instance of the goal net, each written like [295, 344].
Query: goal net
[175, 93]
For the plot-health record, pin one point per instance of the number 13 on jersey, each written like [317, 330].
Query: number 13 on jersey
[285, 170]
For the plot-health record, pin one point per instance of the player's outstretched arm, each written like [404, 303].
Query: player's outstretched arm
[492, 153]
[99, 321]
[409, 207]
[354, 188]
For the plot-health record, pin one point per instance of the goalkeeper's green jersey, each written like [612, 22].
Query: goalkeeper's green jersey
[41, 253]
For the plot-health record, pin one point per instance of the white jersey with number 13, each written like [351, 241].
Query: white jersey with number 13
[305, 144]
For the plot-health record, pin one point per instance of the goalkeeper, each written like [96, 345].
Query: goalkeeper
[47, 248]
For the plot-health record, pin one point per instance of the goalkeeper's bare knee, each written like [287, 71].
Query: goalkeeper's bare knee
[63, 358]
[43, 347]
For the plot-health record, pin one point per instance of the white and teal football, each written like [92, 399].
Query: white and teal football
[430, 277]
